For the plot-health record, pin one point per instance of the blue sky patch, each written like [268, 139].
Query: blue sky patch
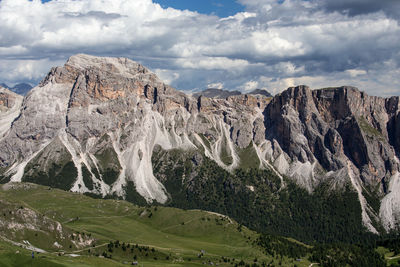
[221, 8]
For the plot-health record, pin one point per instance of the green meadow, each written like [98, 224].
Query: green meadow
[124, 233]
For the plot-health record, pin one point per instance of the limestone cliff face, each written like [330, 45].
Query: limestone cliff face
[10, 104]
[339, 132]
[93, 124]
[331, 126]
[7, 99]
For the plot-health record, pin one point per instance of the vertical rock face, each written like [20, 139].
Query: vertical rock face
[93, 124]
[291, 118]
[338, 129]
[7, 99]
[10, 104]
[393, 126]
[330, 126]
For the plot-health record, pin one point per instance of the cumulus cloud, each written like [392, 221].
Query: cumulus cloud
[272, 44]
[24, 70]
[212, 63]
[357, 7]
[215, 85]
[356, 72]
[167, 76]
[250, 86]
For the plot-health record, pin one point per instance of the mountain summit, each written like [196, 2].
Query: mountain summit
[100, 125]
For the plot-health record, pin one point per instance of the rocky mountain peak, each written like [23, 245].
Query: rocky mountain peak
[122, 66]
[103, 77]
[252, 101]
[260, 92]
[101, 119]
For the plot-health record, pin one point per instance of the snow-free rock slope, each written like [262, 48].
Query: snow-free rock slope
[91, 126]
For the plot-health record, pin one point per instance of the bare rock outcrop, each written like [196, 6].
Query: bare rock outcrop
[100, 119]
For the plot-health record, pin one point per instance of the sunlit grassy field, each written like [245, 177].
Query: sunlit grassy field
[151, 236]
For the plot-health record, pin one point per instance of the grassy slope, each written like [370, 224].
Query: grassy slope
[11, 255]
[248, 157]
[179, 234]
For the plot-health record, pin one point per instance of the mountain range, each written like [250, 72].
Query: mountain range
[221, 93]
[290, 163]
[20, 88]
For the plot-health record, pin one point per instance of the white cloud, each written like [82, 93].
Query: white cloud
[167, 76]
[355, 72]
[13, 50]
[250, 85]
[24, 70]
[272, 43]
[212, 63]
[289, 68]
[216, 85]
[240, 16]
[384, 86]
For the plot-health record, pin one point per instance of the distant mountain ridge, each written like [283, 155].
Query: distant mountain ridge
[260, 92]
[222, 93]
[216, 93]
[111, 127]
[20, 88]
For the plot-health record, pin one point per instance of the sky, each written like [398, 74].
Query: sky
[193, 45]
[221, 8]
